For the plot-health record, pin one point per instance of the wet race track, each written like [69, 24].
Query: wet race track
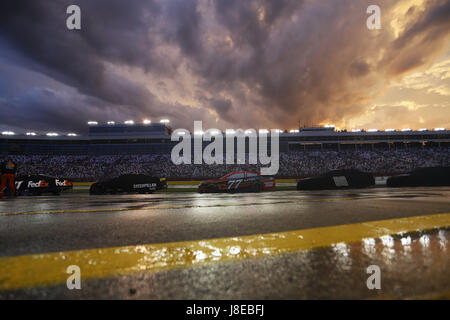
[275, 245]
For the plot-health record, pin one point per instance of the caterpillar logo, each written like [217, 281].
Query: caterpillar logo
[39, 184]
[144, 185]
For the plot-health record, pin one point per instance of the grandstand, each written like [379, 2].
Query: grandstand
[112, 149]
[155, 138]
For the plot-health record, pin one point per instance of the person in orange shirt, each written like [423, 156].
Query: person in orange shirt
[8, 171]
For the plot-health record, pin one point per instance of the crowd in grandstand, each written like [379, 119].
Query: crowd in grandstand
[292, 164]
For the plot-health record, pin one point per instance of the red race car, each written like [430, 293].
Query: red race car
[239, 181]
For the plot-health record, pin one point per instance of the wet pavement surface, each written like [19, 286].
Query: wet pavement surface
[411, 265]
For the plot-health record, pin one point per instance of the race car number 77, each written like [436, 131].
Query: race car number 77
[235, 182]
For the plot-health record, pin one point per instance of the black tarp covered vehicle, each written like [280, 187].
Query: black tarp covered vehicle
[337, 179]
[426, 177]
[39, 184]
[129, 183]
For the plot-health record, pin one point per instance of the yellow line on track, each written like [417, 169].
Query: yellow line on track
[173, 207]
[46, 269]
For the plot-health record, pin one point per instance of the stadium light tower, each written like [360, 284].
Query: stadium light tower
[406, 129]
[110, 122]
[164, 121]
[439, 129]
[71, 134]
[372, 130]
[8, 133]
[423, 129]
[52, 134]
[92, 123]
[146, 121]
[294, 131]
[389, 130]
[31, 133]
[129, 122]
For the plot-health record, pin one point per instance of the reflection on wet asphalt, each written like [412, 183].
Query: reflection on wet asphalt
[412, 265]
[73, 202]
[72, 222]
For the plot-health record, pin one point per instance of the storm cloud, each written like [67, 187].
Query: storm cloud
[230, 63]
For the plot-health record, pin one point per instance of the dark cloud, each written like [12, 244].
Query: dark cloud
[222, 106]
[112, 32]
[45, 110]
[251, 63]
[184, 25]
[359, 69]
